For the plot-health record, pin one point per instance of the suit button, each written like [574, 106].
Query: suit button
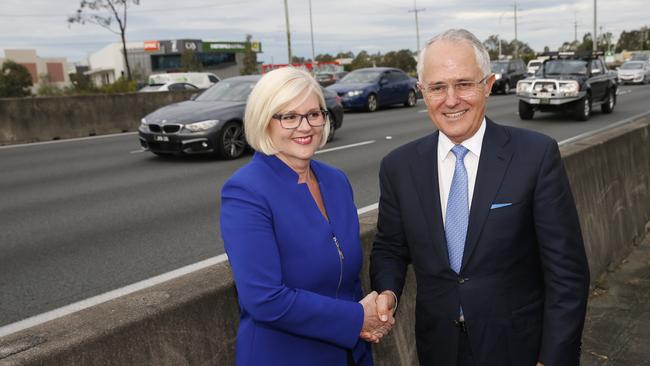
[462, 280]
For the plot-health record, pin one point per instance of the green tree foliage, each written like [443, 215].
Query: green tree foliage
[402, 59]
[634, 40]
[362, 60]
[325, 58]
[348, 54]
[95, 12]
[189, 62]
[298, 60]
[250, 58]
[122, 85]
[508, 48]
[15, 80]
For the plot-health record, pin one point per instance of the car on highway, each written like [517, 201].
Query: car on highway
[634, 72]
[326, 78]
[374, 87]
[570, 82]
[212, 122]
[169, 86]
[507, 73]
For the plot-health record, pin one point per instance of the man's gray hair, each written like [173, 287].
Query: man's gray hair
[458, 35]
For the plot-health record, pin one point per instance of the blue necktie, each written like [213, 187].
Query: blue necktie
[457, 211]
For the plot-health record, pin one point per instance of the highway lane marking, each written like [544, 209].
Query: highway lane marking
[346, 146]
[95, 300]
[137, 151]
[68, 140]
[126, 290]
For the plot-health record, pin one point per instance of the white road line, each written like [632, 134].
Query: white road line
[346, 146]
[107, 296]
[137, 151]
[67, 140]
[83, 304]
[422, 111]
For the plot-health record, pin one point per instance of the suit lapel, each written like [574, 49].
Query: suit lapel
[496, 153]
[424, 172]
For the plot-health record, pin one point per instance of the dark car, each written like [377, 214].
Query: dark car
[507, 73]
[570, 82]
[371, 88]
[212, 122]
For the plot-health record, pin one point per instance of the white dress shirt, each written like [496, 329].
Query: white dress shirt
[447, 163]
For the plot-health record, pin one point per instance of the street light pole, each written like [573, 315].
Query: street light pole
[594, 38]
[516, 41]
[311, 26]
[286, 18]
[417, 24]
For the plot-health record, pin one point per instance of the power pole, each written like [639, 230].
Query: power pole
[516, 39]
[311, 25]
[417, 24]
[575, 28]
[286, 19]
[594, 38]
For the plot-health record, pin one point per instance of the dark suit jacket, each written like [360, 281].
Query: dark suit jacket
[524, 280]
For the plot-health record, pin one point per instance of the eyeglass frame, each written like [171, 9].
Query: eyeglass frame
[424, 90]
[324, 112]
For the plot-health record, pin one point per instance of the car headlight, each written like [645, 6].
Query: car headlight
[524, 86]
[201, 126]
[143, 124]
[569, 88]
[497, 76]
[354, 93]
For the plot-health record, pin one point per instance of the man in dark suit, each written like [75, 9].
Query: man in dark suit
[486, 216]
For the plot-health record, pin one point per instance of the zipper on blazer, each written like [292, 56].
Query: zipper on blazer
[341, 258]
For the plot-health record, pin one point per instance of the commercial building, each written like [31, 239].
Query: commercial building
[52, 70]
[151, 57]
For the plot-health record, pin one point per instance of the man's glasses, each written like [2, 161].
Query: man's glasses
[462, 89]
[291, 120]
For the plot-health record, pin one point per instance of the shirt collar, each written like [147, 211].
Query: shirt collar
[473, 144]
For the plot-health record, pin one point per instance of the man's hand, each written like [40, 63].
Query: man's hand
[386, 306]
[540, 364]
[373, 328]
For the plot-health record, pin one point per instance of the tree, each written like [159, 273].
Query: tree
[93, 12]
[250, 58]
[402, 59]
[298, 60]
[348, 54]
[15, 80]
[634, 40]
[325, 58]
[189, 61]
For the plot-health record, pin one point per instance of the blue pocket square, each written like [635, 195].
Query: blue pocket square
[499, 205]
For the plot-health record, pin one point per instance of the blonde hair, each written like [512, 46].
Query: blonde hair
[273, 92]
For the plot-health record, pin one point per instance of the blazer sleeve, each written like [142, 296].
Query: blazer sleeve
[564, 262]
[390, 254]
[247, 231]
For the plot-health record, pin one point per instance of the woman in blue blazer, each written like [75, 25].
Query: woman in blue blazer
[291, 232]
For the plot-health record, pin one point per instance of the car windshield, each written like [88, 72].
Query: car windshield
[228, 91]
[565, 67]
[361, 77]
[499, 67]
[632, 66]
[324, 76]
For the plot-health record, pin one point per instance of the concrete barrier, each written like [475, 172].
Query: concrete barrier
[51, 118]
[192, 320]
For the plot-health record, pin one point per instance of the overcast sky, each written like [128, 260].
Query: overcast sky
[349, 25]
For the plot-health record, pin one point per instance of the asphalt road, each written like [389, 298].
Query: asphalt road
[82, 217]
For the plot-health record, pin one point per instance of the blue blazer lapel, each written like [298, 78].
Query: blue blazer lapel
[496, 154]
[424, 172]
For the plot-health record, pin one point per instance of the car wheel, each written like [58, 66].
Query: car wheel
[371, 103]
[231, 141]
[411, 100]
[583, 108]
[526, 111]
[506, 87]
[608, 106]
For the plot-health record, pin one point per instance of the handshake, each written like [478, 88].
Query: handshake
[378, 318]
